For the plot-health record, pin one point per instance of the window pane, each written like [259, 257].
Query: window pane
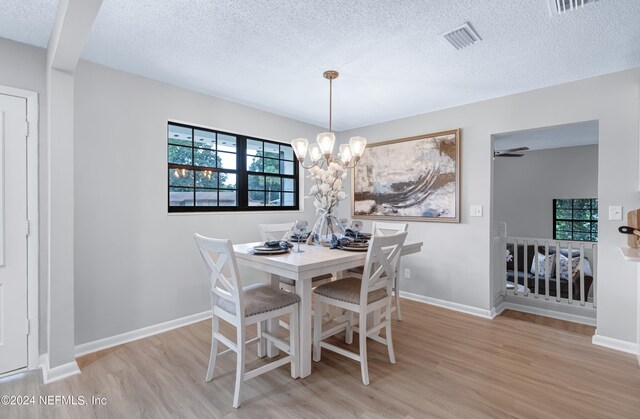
[206, 179]
[581, 236]
[564, 214]
[563, 235]
[254, 164]
[256, 182]
[582, 226]
[594, 215]
[563, 225]
[273, 199]
[180, 197]
[582, 203]
[205, 158]
[286, 152]
[206, 197]
[227, 160]
[179, 135]
[273, 183]
[287, 168]
[227, 143]
[581, 215]
[271, 150]
[254, 147]
[288, 199]
[563, 203]
[228, 198]
[287, 185]
[256, 198]
[227, 181]
[205, 139]
[271, 166]
[179, 155]
[180, 177]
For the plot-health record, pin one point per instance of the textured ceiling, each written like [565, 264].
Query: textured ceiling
[393, 62]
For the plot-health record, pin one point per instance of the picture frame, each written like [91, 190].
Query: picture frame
[409, 179]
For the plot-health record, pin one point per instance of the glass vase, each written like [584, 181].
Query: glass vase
[325, 228]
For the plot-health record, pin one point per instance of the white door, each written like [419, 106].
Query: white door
[13, 238]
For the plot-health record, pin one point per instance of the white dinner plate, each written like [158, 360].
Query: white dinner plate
[262, 250]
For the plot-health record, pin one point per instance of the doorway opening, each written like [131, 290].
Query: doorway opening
[545, 221]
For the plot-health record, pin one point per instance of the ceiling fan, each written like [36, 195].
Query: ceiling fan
[512, 152]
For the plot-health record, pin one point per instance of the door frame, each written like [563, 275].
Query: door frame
[33, 239]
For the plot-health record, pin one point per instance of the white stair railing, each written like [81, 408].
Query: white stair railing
[578, 290]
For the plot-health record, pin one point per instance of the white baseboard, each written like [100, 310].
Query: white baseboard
[100, 344]
[574, 318]
[474, 311]
[50, 375]
[617, 344]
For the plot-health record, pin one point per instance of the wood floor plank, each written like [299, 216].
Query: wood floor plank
[449, 365]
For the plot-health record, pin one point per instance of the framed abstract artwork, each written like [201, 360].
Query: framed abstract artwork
[409, 179]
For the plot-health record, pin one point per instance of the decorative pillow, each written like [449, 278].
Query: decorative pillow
[575, 267]
[542, 264]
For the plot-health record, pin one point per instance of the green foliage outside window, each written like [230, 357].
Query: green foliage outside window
[575, 219]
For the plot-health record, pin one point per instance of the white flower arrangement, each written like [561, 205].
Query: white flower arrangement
[328, 190]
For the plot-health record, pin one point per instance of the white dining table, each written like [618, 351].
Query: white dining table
[316, 260]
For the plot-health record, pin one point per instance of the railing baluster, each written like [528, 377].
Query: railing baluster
[570, 273]
[525, 270]
[515, 267]
[558, 271]
[547, 271]
[535, 271]
[594, 269]
[582, 296]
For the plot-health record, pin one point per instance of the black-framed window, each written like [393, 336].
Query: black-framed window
[575, 219]
[210, 170]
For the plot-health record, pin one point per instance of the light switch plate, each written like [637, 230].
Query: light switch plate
[615, 213]
[475, 211]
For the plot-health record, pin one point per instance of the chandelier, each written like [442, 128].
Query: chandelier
[322, 152]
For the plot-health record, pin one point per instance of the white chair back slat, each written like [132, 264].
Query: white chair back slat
[224, 281]
[384, 229]
[381, 262]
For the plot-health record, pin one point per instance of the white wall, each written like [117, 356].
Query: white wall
[454, 264]
[136, 265]
[525, 187]
[23, 67]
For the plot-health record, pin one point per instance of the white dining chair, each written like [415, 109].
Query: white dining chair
[364, 295]
[241, 307]
[283, 232]
[383, 229]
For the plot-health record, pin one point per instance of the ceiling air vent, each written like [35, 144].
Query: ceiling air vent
[462, 36]
[562, 6]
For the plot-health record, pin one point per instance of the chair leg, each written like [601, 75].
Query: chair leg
[294, 342]
[215, 325]
[262, 342]
[388, 337]
[363, 348]
[348, 338]
[317, 329]
[397, 291]
[240, 342]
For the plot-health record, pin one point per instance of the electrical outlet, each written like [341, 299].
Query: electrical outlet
[407, 273]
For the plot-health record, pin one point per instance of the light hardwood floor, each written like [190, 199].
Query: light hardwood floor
[449, 365]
